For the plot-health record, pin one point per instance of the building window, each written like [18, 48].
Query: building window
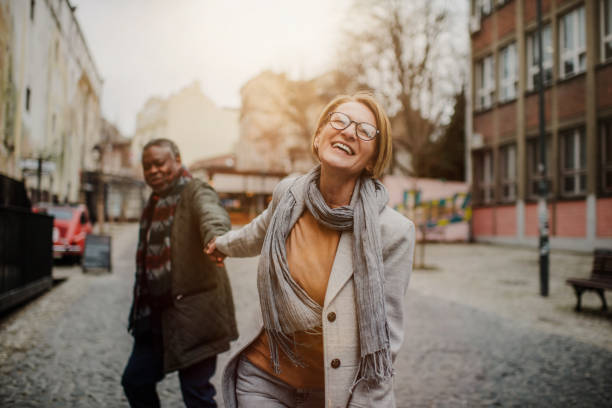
[485, 83]
[483, 172]
[481, 8]
[572, 43]
[484, 7]
[533, 168]
[606, 156]
[533, 55]
[573, 162]
[32, 5]
[28, 97]
[606, 29]
[508, 172]
[508, 75]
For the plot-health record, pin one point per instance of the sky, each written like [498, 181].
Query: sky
[145, 48]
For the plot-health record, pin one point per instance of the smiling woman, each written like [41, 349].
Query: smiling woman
[333, 271]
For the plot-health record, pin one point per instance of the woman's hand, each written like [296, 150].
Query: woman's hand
[213, 253]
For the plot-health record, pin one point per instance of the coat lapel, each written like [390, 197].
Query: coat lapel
[342, 269]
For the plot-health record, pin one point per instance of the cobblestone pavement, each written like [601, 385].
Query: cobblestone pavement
[477, 334]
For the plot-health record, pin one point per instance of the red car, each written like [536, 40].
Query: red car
[71, 225]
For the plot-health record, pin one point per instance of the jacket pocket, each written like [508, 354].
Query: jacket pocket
[195, 320]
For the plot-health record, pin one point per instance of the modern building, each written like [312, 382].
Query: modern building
[502, 124]
[200, 128]
[50, 99]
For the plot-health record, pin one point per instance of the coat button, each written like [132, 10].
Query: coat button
[179, 297]
[331, 316]
[335, 363]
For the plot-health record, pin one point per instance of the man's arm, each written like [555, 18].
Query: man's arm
[208, 212]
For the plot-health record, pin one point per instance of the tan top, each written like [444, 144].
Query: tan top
[311, 249]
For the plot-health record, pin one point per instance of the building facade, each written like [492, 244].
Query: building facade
[200, 128]
[50, 102]
[114, 191]
[502, 125]
[243, 193]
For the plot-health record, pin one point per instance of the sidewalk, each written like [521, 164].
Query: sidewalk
[505, 281]
[477, 334]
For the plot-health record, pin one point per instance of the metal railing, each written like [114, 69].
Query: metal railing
[26, 255]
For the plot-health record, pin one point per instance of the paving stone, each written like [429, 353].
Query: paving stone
[477, 334]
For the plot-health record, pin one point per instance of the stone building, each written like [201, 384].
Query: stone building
[502, 125]
[200, 128]
[114, 189]
[51, 98]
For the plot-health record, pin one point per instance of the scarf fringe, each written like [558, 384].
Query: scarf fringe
[374, 368]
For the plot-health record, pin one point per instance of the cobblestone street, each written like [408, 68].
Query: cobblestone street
[477, 334]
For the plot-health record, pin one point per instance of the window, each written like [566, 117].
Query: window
[533, 168]
[32, 5]
[484, 7]
[483, 171]
[485, 83]
[533, 55]
[606, 156]
[481, 8]
[573, 162]
[508, 172]
[606, 29]
[572, 43]
[508, 75]
[28, 97]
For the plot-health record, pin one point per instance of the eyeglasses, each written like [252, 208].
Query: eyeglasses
[363, 130]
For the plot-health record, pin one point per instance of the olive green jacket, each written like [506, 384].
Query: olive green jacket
[201, 321]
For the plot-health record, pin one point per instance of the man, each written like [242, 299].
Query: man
[182, 314]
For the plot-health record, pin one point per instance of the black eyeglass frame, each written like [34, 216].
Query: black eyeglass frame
[351, 121]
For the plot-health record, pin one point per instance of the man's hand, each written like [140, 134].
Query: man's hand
[213, 253]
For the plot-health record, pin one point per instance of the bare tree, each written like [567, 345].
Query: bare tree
[297, 103]
[407, 51]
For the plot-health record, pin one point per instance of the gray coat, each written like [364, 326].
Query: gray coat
[340, 335]
[201, 322]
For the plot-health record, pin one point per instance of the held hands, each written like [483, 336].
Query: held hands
[213, 253]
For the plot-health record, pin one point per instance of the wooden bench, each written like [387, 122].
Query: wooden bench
[600, 280]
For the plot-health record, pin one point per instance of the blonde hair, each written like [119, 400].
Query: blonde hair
[383, 140]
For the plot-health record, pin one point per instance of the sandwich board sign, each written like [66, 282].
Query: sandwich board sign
[97, 256]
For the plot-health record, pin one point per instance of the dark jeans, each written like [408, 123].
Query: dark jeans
[145, 369]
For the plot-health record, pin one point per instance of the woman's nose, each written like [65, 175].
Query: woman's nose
[350, 130]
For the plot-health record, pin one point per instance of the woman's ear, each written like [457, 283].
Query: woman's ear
[316, 143]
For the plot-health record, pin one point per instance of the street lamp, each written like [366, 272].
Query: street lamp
[544, 246]
[98, 155]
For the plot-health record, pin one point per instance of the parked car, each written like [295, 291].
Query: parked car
[71, 225]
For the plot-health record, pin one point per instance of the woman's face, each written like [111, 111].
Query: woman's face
[341, 150]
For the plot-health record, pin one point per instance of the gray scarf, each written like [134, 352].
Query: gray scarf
[287, 308]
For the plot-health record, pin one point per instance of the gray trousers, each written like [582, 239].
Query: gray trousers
[256, 388]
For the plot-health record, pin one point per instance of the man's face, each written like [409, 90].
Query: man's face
[160, 167]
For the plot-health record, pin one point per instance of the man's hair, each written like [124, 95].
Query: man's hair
[163, 142]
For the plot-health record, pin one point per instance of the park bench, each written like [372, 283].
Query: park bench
[600, 280]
